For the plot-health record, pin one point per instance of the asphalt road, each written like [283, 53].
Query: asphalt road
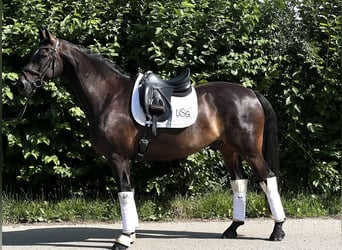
[181, 235]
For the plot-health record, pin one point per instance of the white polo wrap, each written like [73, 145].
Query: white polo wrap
[128, 212]
[239, 188]
[271, 190]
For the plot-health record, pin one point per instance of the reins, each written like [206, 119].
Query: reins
[20, 114]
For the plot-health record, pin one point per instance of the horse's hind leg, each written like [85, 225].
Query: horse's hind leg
[239, 186]
[270, 188]
[268, 183]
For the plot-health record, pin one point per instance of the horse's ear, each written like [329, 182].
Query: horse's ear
[42, 34]
[49, 36]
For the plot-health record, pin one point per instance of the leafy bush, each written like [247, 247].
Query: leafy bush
[200, 173]
[288, 51]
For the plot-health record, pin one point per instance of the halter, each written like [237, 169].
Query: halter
[39, 81]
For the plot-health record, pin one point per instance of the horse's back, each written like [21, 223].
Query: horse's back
[225, 88]
[226, 112]
[228, 99]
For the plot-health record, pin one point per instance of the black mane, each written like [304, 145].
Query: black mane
[110, 64]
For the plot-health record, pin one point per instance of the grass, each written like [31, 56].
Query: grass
[78, 209]
[216, 205]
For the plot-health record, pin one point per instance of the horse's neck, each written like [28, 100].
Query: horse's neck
[93, 82]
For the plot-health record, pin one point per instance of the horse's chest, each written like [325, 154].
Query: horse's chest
[112, 137]
[98, 136]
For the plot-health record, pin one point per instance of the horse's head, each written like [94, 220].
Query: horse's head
[45, 64]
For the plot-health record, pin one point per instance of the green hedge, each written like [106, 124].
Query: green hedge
[287, 51]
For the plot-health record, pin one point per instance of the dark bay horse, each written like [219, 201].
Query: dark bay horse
[239, 121]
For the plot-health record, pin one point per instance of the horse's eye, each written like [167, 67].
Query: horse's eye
[44, 52]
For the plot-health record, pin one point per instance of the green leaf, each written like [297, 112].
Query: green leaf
[158, 30]
[234, 72]
[51, 158]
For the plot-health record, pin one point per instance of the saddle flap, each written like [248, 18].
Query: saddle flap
[155, 102]
[159, 105]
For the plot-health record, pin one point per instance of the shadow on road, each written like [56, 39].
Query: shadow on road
[31, 237]
[74, 236]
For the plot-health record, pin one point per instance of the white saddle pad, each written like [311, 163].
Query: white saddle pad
[184, 109]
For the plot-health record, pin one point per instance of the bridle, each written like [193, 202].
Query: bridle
[52, 62]
[39, 81]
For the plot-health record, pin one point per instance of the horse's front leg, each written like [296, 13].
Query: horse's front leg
[121, 169]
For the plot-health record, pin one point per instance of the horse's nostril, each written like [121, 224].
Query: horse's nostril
[20, 85]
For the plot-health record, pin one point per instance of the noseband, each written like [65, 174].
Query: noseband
[39, 81]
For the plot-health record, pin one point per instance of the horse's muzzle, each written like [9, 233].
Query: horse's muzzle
[25, 87]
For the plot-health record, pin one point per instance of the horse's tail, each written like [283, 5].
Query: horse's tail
[270, 141]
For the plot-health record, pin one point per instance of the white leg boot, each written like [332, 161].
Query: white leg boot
[135, 212]
[129, 218]
[271, 190]
[239, 188]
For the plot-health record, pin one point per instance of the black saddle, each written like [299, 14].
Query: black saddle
[155, 96]
[180, 85]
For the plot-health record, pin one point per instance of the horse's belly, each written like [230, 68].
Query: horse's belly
[177, 145]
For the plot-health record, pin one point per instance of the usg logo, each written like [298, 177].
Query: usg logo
[182, 112]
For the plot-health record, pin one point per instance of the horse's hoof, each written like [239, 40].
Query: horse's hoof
[278, 234]
[231, 233]
[118, 246]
